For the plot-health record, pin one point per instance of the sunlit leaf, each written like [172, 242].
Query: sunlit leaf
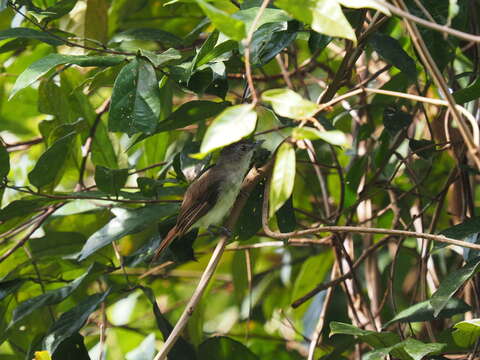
[224, 22]
[334, 137]
[467, 332]
[325, 16]
[358, 4]
[286, 102]
[233, 124]
[283, 177]
[44, 65]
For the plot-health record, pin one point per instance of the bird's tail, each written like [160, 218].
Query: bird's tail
[172, 234]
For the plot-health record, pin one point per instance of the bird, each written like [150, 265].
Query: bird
[209, 198]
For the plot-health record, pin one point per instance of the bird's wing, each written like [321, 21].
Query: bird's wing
[200, 197]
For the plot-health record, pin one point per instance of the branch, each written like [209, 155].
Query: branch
[251, 180]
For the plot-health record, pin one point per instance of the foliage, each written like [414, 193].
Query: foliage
[109, 108]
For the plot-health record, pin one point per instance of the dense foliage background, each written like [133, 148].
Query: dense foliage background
[367, 176]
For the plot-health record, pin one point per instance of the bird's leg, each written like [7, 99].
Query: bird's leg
[216, 230]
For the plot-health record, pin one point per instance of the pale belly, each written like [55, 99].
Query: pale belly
[222, 208]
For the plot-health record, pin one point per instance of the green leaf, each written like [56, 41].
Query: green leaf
[269, 16]
[21, 207]
[325, 16]
[286, 220]
[410, 349]
[9, 287]
[71, 321]
[57, 244]
[396, 120]
[283, 177]
[224, 22]
[451, 283]
[45, 64]
[221, 348]
[318, 42]
[467, 332]
[469, 93]
[136, 102]
[391, 50]
[423, 311]
[463, 230]
[377, 340]
[159, 60]
[4, 162]
[313, 271]
[51, 162]
[125, 222]
[74, 346]
[181, 349]
[187, 114]
[148, 34]
[359, 4]
[110, 180]
[52, 297]
[233, 124]
[288, 103]
[26, 33]
[334, 137]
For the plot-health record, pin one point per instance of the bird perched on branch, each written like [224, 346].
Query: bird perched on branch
[210, 197]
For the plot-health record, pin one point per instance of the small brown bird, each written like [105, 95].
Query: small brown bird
[210, 197]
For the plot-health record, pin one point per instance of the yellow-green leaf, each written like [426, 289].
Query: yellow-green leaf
[334, 137]
[288, 103]
[228, 25]
[283, 177]
[233, 124]
[324, 16]
[358, 4]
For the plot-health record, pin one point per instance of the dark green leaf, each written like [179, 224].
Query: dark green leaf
[126, 222]
[49, 298]
[395, 120]
[148, 34]
[269, 15]
[463, 230]
[471, 92]
[391, 50]
[26, 33]
[143, 254]
[451, 283]
[21, 207]
[135, 103]
[51, 162]
[45, 64]
[423, 311]
[110, 180]
[60, 8]
[4, 162]
[317, 42]
[182, 349]
[9, 287]
[71, 321]
[424, 148]
[57, 244]
[250, 220]
[74, 346]
[222, 348]
[286, 217]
